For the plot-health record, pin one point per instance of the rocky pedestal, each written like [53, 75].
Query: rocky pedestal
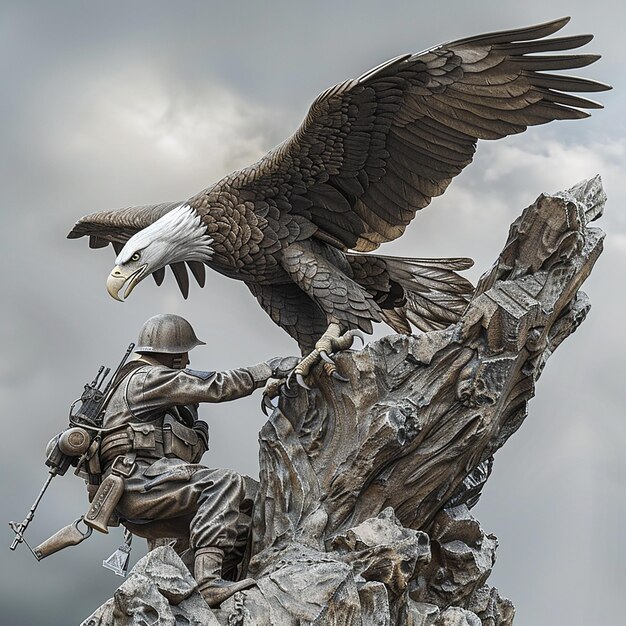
[362, 515]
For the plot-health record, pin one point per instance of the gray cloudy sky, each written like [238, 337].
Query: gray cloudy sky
[115, 103]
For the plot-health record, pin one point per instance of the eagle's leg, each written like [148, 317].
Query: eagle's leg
[325, 276]
[333, 340]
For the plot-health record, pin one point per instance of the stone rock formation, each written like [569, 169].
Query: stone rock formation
[362, 514]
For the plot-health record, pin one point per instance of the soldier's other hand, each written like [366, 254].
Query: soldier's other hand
[282, 366]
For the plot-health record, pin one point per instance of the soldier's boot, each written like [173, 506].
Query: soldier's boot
[208, 574]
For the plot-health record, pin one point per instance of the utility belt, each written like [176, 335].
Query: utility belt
[163, 437]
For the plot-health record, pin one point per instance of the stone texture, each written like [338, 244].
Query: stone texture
[374, 601]
[159, 591]
[455, 616]
[491, 608]
[418, 613]
[381, 549]
[362, 510]
[463, 556]
[164, 572]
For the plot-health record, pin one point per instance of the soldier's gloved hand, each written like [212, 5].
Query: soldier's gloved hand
[275, 385]
[282, 366]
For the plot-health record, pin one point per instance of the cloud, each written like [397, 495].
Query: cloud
[546, 161]
[134, 128]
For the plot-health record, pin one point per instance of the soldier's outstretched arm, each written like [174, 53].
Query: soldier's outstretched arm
[161, 386]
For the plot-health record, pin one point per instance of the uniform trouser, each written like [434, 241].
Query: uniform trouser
[187, 501]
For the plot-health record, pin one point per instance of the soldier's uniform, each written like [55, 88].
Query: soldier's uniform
[153, 412]
[153, 440]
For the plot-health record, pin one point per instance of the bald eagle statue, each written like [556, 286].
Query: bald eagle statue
[297, 225]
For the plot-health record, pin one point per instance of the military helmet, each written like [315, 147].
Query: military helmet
[167, 333]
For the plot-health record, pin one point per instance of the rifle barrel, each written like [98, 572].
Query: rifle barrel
[19, 529]
[119, 367]
[111, 380]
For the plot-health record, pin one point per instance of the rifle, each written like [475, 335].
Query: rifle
[92, 400]
[71, 447]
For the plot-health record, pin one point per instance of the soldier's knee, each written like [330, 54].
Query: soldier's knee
[229, 479]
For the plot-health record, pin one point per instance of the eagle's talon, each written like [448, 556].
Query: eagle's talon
[288, 381]
[272, 390]
[359, 334]
[300, 381]
[266, 405]
[332, 341]
[325, 357]
[345, 340]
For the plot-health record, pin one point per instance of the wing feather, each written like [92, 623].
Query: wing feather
[198, 271]
[548, 45]
[182, 277]
[158, 276]
[121, 224]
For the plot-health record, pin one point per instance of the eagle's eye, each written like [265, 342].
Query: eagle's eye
[135, 256]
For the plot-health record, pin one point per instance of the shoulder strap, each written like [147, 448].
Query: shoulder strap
[126, 370]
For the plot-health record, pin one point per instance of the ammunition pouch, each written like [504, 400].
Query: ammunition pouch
[143, 436]
[181, 442]
[163, 437]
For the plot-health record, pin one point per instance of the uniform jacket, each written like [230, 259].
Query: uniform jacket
[153, 388]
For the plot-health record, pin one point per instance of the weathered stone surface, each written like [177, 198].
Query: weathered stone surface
[491, 608]
[164, 570]
[138, 600]
[304, 586]
[159, 590]
[418, 613]
[374, 601]
[455, 616]
[381, 549]
[463, 556]
[362, 510]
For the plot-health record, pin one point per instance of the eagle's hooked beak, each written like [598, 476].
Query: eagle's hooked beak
[120, 277]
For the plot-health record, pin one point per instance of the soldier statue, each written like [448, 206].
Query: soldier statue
[153, 441]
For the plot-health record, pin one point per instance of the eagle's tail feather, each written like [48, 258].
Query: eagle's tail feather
[425, 293]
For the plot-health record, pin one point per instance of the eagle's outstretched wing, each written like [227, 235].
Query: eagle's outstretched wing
[374, 150]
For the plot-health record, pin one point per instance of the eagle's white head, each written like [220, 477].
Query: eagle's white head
[178, 236]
